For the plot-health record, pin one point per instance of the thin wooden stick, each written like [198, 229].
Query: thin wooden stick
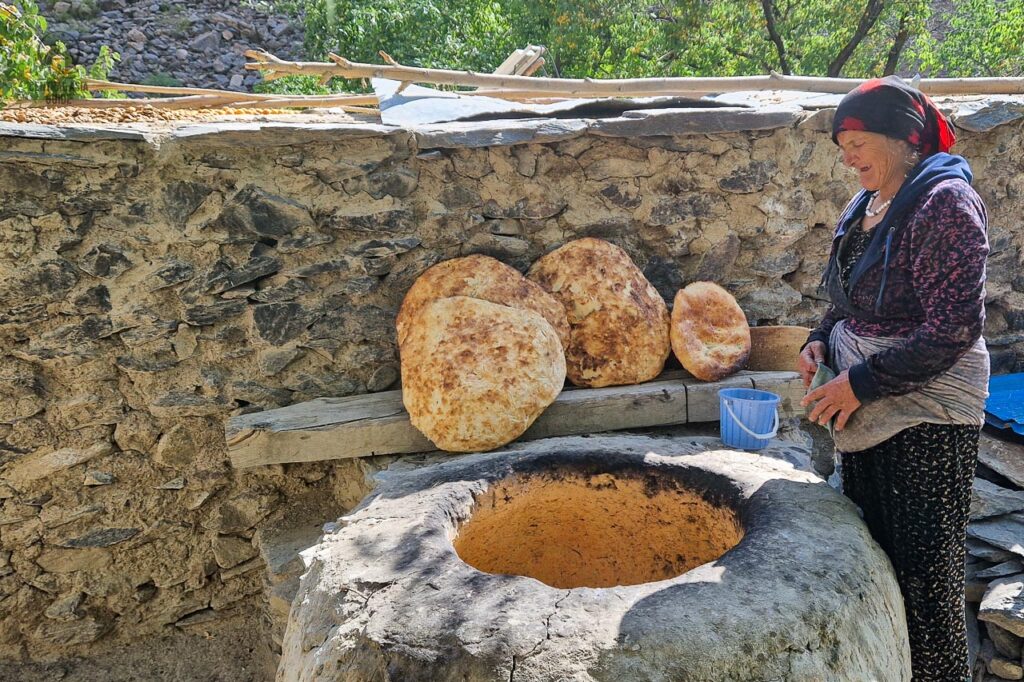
[240, 101]
[99, 85]
[186, 102]
[614, 87]
[231, 95]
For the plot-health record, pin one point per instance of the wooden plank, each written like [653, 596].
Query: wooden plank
[788, 386]
[702, 397]
[377, 424]
[593, 410]
[385, 436]
[508, 67]
[286, 435]
[320, 413]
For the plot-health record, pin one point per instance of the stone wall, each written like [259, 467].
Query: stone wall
[153, 285]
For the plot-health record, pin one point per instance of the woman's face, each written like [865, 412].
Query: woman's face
[875, 158]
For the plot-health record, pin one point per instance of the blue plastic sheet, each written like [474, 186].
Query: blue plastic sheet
[1004, 408]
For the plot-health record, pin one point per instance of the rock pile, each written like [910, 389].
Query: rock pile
[197, 44]
[995, 560]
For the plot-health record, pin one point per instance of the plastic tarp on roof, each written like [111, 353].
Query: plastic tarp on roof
[417, 105]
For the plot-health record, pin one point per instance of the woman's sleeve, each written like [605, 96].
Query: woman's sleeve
[949, 279]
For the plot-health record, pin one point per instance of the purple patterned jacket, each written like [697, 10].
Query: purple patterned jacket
[926, 286]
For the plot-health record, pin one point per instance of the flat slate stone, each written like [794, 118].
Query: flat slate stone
[1010, 567]
[986, 552]
[277, 134]
[47, 464]
[643, 123]
[256, 268]
[989, 499]
[1005, 532]
[1003, 604]
[75, 134]
[1003, 457]
[202, 315]
[101, 537]
[980, 117]
[498, 133]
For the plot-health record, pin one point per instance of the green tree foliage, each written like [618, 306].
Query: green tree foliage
[636, 38]
[435, 33]
[30, 69]
[983, 38]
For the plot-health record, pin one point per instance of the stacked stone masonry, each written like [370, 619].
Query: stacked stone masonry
[153, 285]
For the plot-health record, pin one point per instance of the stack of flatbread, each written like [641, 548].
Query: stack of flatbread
[485, 350]
[481, 353]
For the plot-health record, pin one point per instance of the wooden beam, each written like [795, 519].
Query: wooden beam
[614, 87]
[377, 423]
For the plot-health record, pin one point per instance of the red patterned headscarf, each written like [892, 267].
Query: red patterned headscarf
[890, 107]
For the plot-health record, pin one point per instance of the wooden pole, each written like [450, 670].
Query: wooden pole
[612, 87]
[233, 96]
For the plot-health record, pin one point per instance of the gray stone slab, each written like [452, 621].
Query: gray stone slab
[989, 499]
[276, 134]
[498, 133]
[983, 550]
[1001, 570]
[1003, 604]
[1005, 532]
[72, 133]
[1003, 457]
[982, 116]
[644, 123]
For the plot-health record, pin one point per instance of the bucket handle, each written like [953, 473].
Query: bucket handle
[739, 423]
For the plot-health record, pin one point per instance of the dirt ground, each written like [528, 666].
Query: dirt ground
[230, 650]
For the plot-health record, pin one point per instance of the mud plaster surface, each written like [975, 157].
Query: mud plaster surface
[593, 531]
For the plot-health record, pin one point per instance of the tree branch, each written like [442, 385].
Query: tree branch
[867, 20]
[611, 87]
[773, 33]
[898, 43]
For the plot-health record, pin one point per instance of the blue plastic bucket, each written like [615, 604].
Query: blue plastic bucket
[749, 418]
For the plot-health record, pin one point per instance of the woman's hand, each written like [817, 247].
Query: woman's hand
[834, 398]
[810, 356]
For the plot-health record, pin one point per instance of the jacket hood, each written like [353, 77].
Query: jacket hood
[921, 178]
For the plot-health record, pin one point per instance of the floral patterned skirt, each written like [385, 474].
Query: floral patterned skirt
[915, 492]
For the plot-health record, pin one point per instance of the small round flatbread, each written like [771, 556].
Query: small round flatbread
[710, 335]
[482, 277]
[476, 374]
[618, 321]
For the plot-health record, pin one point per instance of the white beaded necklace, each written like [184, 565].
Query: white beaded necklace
[878, 210]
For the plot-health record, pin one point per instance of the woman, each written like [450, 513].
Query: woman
[906, 278]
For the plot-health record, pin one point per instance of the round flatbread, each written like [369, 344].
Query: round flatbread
[476, 374]
[618, 322]
[486, 278]
[710, 335]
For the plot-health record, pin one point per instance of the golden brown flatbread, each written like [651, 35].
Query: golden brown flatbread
[618, 321]
[485, 278]
[710, 335]
[475, 374]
